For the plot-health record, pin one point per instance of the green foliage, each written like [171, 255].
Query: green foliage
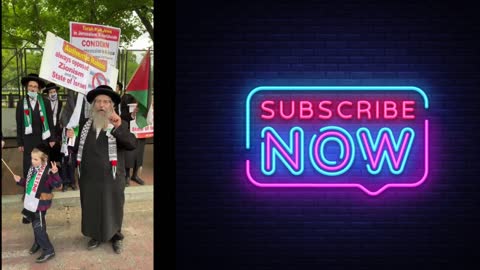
[9, 69]
[26, 22]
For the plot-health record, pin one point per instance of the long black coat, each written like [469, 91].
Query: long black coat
[35, 138]
[134, 158]
[101, 196]
[55, 154]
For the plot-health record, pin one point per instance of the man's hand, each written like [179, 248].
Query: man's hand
[20, 148]
[134, 113]
[17, 178]
[115, 119]
[54, 168]
[51, 144]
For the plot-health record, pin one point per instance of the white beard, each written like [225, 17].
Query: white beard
[100, 120]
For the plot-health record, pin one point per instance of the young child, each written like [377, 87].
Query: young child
[41, 179]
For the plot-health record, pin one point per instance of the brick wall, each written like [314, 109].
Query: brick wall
[226, 49]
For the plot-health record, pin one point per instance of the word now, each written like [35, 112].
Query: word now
[375, 151]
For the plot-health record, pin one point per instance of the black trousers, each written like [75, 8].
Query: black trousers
[68, 169]
[40, 232]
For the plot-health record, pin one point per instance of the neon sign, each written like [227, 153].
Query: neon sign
[367, 137]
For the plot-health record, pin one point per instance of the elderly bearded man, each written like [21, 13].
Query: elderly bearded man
[100, 148]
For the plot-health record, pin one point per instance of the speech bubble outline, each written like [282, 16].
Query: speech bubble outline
[337, 185]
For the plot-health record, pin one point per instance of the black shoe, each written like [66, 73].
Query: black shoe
[44, 257]
[35, 247]
[93, 244]
[117, 246]
[64, 188]
[73, 187]
[138, 180]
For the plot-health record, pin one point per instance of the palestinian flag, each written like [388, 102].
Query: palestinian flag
[138, 88]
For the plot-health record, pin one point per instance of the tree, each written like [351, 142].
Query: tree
[26, 22]
[13, 62]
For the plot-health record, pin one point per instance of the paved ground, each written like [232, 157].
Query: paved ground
[63, 227]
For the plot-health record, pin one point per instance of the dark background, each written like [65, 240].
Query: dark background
[225, 49]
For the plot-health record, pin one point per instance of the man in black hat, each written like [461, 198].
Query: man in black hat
[100, 149]
[68, 157]
[51, 90]
[134, 158]
[34, 119]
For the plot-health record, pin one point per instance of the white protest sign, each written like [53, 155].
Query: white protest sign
[147, 131]
[68, 66]
[99, 40]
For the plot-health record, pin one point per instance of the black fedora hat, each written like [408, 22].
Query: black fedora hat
[43, 148]
[50, 86]
[103, 90]
[33, 77]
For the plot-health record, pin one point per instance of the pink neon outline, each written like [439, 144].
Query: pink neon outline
[385, 109]
[302, 108]
[347, 150]
[264, 108]
[359, 111]
[286, 117]
[323, 109]
[296, 164]
[383, 140]
[347, 185]
[344, 116]
[404, 116]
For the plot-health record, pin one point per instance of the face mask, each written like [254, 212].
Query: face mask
[53, 97]
[32, 94]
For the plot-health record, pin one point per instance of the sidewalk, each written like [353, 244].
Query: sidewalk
[64, 230]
